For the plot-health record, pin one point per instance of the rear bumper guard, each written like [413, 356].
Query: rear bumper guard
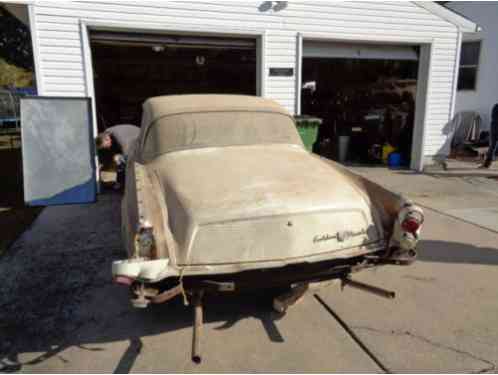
[139, 268]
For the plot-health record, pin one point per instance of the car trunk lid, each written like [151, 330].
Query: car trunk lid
[260, 203]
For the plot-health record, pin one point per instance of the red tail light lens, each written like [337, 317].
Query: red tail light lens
[410, 224]
[125, 280]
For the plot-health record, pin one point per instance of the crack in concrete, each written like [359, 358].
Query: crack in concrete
[420, 278]
[491, 366]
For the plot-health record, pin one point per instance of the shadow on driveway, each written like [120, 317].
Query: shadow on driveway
[455, 252]
[56, 292]
[52, 312]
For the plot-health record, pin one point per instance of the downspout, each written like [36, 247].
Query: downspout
[298, 75]
[263, 69]
[456, 70]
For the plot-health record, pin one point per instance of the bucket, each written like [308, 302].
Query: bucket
[394, 160]
[343, 147]
[387, 149]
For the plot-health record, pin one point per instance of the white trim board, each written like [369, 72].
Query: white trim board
[171, 28]
[375, 39]
[36, 52]
[449, 15]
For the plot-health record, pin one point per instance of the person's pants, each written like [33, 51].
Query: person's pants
[121, 169]
[493, 144]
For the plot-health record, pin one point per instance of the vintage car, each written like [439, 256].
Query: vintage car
[221, 196]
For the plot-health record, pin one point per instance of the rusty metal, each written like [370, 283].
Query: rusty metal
[198, 321]
[368, 288]
[139, 301]
[227, 286]
[167, 294]
[401, 257]
[283, 277]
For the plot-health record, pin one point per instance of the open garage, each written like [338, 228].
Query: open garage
[365, 96]
[130, 67]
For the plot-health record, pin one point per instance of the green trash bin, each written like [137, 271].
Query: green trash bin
[307, 126]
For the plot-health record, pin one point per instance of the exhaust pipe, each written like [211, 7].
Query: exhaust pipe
[368, 288]
[196, 334]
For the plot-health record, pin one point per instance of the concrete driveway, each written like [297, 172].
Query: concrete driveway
[59, 311]
[463, 191]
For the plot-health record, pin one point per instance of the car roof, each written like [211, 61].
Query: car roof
[161, 106]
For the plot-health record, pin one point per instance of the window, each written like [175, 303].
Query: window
[469, 61]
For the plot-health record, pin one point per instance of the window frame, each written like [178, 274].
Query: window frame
[470, 66]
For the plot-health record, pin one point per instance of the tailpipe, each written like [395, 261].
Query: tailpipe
[368, 288]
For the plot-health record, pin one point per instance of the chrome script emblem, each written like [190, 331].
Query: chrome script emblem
[340, 236]
[323, 237]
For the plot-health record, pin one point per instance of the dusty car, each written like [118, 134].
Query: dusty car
[221, 196]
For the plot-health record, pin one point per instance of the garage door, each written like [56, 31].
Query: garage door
[358, 51]
[165, 41]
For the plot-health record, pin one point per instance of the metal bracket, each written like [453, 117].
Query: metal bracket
[226, 286]
[167, 294]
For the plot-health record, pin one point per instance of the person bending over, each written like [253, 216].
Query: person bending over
[114, 146]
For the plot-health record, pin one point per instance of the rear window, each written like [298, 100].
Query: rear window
[217, 129]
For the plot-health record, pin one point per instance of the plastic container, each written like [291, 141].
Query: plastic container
[394, 160]
[343, 148]
[387, 149]
[307, 128]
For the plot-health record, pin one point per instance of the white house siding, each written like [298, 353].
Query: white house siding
[61, 63]
[486, 94]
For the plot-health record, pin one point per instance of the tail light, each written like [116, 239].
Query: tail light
[410, 224]
[411, 219]
[125, 280]
[406, 230]
[144, 240]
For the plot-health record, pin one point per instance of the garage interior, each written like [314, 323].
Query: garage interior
[128, 68]
[365, 96]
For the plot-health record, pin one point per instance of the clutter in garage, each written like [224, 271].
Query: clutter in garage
[367, 107]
